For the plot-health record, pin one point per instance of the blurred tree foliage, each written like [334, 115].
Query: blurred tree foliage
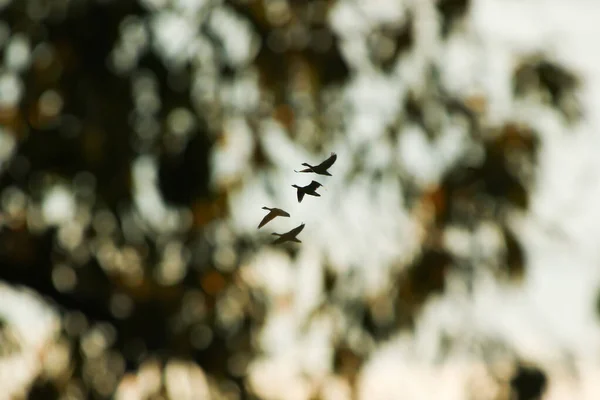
[79, 123]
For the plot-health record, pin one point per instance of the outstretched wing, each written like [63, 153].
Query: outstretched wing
[314, 185]
[327, 163]
[279, 240]
[300, 195]
[281, 213]
[296, 230]
[267, 218]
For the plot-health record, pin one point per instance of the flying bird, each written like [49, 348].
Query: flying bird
[273, 213]
[322, 168]
[289, 236]
[309, 189]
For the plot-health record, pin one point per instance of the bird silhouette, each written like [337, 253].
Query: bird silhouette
[273, 213]
[289, 236]
[322, 168]
[309, 189]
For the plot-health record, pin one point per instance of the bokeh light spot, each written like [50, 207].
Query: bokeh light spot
[64, 278]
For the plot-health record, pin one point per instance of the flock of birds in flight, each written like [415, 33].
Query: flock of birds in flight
[310, 189]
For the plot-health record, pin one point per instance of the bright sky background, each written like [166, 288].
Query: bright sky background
[550, 319]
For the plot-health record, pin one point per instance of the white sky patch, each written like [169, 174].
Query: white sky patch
[308, 287]
[451, 144]
[243, 94]
[18, 53]
[379, 155]
[418, 157]
[281, 150]
[230, 160]
[394, 372]
[185, 380]
[36, 326]
[375, 96]
[35, 322]
[191, 6]
[363, 129]
[11, 90]
[173, 34]
[272, 271]
[278, 378]
[58, 206]
[314, 349]
[347, 20]
[295, 355]
[148, 199]
[496, 80]
[385, 11]
[239, 39]
[279, 334]
[463, 61]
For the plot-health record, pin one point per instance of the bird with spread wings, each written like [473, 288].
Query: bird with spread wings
[309, 189]
[322, 168]
[289, 236]
[273, 213]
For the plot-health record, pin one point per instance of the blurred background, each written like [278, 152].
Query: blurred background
[453, 254]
